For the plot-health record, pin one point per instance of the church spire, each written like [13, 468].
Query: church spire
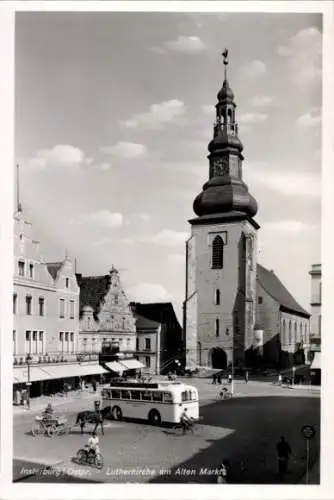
[225, 191]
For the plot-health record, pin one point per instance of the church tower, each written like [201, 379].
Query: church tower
[219, 308]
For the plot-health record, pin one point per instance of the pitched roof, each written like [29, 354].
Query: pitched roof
[145, 323]
[161, 312]
[53, 268]
[92, 290]
[274, 287]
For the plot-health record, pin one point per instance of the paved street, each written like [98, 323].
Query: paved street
[245, 430]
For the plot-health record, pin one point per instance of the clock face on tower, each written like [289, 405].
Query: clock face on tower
[220, 167]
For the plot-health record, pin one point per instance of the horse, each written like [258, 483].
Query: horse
[90, 417]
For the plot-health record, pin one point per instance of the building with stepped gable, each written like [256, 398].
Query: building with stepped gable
[235, 310]
[105, 314]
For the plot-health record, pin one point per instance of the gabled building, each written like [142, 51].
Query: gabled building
[159, 335]
[105, 313]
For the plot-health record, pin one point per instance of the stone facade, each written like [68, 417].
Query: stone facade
[228, 325]
[36, 299]
[110, 318]
[148, 346]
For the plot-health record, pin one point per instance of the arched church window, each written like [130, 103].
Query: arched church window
[217, 298]
[284, 331]
[217, 253]
[290, 332]
[295, 337]
[217, 327]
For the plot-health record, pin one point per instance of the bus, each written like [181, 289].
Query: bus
[160, 402]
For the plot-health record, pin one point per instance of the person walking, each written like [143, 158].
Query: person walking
[214, 378]
[99, 417]
[94, 385]
[279, 380]
[283, 454]
[219, 378]
[246, 376]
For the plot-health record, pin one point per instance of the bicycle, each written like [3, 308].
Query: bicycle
[180, 429]
[224, 394]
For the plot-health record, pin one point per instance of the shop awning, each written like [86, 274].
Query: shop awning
[115, 367]
[316, 363]
[131, 364]
[93, 369]
[52, 372]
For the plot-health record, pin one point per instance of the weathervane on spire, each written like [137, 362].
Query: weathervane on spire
[225, 61]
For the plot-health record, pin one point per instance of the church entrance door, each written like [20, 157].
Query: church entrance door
[218, 358]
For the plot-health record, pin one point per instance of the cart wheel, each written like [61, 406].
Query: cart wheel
[37, 429]
[81, 456]
[52, 430]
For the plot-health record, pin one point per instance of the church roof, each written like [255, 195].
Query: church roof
[274, 287]
[93, 290]
[160, 312]
[53, 268]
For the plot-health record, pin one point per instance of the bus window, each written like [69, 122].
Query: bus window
[135, 395]
[157, 396]
[168, 398]
[146, 396]
[106, 394]
[126, 395]
[116, 394]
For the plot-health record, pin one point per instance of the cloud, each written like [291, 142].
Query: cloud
[288, 183]
[287, 226]
[59, 155]
[249, 118]
[303, 54]
[310, 119]
[126, 150]
[103, 218]
[128, 241]
[187, 45]
[145, 217]
[149, 292]
[255, 69]
[158, 115]
[102, 166]
[261, 101]
[176, 259]
[209, 109]
[168, 237]
[102, 242]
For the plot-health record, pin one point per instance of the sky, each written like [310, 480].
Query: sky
[113, 115]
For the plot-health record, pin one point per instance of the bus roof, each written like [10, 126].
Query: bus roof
[149, 385]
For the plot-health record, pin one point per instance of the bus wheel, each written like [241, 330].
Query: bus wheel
[154, 417]
[117, 413]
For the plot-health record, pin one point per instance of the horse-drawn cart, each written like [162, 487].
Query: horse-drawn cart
[52, 426]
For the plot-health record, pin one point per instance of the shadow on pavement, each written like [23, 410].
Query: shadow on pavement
[258, 423]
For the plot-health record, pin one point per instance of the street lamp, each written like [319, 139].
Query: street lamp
[28, 360]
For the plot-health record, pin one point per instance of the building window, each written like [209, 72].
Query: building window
[67, 282]
[34, 339]
[123, 323]
[217, 298]
[137, 344]
[28, 342]
[148, 361]
[14, 303]
[72, 336]
[260, 300]
[41, 347]
[41, 306]
[88, 322]
[21, 268]
[31, 270]
[217, 253]
[66, 336]
[27, 335]
[148, 344]
[284, 332]
[295, 339]
[290, 333]
[84, 344]
[301, 332]
[71, 309]
[62, 308]
[28, 305]
[116, 299]
[217, 327]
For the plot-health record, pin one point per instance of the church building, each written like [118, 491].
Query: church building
[223, 281]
